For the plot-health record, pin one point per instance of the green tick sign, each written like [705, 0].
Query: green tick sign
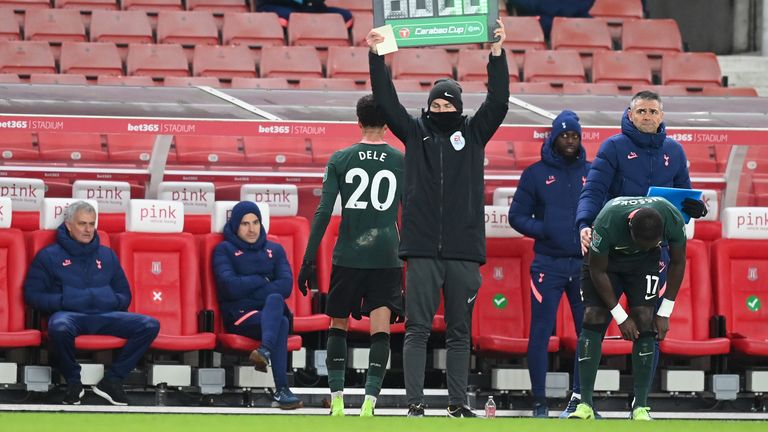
[753, 303]
[437, 22]
[500, 301]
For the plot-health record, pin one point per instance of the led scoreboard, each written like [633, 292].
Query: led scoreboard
[437, 22]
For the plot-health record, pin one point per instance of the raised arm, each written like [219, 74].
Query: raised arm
[398, 119]
[491, 113]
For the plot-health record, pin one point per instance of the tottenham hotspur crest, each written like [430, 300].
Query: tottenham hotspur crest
[457, 141]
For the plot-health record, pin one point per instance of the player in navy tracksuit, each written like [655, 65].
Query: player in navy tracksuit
[627, 164]
[82, 285]
[253, 279]
[544, 208]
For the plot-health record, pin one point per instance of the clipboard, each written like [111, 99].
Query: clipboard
[676, 196]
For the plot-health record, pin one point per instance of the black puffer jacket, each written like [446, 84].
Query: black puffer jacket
[443, 213]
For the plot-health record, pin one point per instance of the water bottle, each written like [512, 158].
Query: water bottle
[161, 394]
[490, 408]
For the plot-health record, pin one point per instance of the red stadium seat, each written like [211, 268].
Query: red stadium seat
[276, 151]
[329, 84]
[535, 88]
[9, 27]
[553, 66]
[610, 89]
[319, 30]
[187, 28]
[121, 27]
[701, 158]
[472, 63]
[293, 233]
[363, 24]
[662, 90]
[90, 58]
[348, 62]
[255, 30]
[9, 78]
[689, 325]
[473, 86]
[152, 6]
[173, 81]
[738, 265]
[408, 85]
[524, 33]
[140, 81]
[26, 57]
[293, 63]
[729, 91]
[424, 64]
[86, 5]
[13, 265]
[501, 321]
[616, 12]
[17, 146]
[133, 148]
[157, 60]
[526, 153]
[622, 68]
[498, 155]
[71, 147]
[171, 293]
[208, 150]
[218, 6]
[223, 62]
[324, 148]
[65, 79]
[54, 25]
[206, 244]
[585, 35]
[260, 83]
[653, 37]
[693, 70]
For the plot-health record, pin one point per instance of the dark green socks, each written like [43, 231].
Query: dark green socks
[377, 363]
[590, 351]
[336, 360]
[642, 367]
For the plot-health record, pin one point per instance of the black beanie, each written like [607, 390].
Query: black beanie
[449, 90]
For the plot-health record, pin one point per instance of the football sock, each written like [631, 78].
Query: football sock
[336, 358]
[377, 363]
[642, 366]
[590, 350]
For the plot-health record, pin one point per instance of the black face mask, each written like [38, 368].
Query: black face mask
[446, 121]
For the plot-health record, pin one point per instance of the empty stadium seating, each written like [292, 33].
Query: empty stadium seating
[132, 148]
[524, 33]
[187, 28]
[498, 155]
[9, 78]
[622, 68]
[693, 70]
[68, 79]
[501, 319]
[328, 84]
[591, 88]
[319, 30]
[157, 61]
[662, 90]
[195, 149]
[471, 66]
[255, 30]
[223, 62]
[616, 12]
[292, 63]
[177, 81]
[142, 81]
[584, 35]
[553, 66]
[261, 83]
[152, 6]
[71, 147]
[653, 37]
[26, 57]
[739, 266]
[9, 27]
[535, 88]
[13, 331]
[276, 151]
[526, 153]
[423, 64]
[18, 146]
[218, 6]
[363, 24]
[54, 25]
[348, 62]
[90, 58]
[121, 27]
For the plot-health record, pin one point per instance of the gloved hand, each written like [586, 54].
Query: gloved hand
[694, 208]
[307, 277]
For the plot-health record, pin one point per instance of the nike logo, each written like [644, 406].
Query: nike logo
[66, 263]
[448, 94]
[550, 181]
[648, 297]
[425, 138]
[631, 155]
[645, 354]
[471, 298]
[621, 247]
[581, 359]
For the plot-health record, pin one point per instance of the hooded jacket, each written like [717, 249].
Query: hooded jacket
[443, 202]
[544, 205]
[627, 164]
[76, 277]
[247, 273]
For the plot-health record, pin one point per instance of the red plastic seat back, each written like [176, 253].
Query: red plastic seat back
[163, 272]
[293, 232]
[503, 304]
[693, 305]
[13, 269]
